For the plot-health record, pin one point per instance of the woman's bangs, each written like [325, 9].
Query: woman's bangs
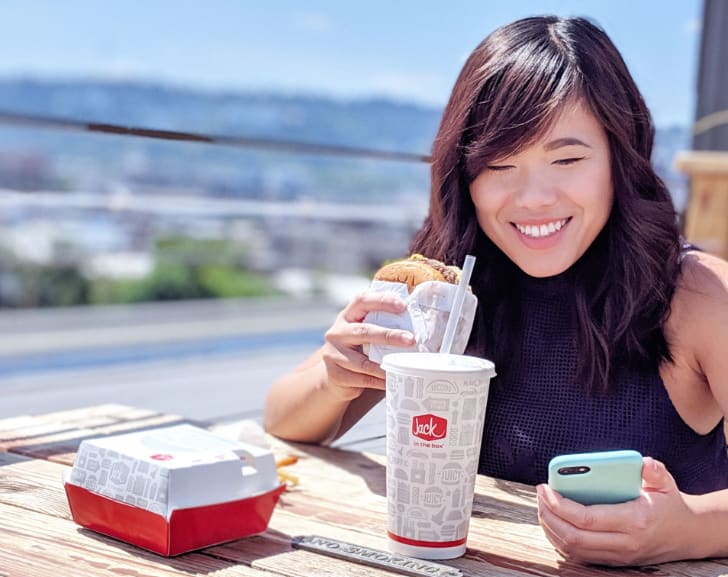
[514, 109]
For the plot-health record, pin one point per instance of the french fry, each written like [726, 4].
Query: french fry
[286, 461]
[289, 479]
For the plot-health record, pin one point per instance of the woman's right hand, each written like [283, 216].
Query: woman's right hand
[348, 370]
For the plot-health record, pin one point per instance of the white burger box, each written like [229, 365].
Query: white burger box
[173, 489]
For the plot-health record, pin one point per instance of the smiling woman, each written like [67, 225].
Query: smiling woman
[606, 332]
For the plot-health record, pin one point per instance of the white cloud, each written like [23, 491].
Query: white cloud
[693, 26]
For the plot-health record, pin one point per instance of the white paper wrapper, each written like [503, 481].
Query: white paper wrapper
[428, 309]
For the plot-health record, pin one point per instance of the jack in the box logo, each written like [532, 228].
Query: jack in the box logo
[429, 427]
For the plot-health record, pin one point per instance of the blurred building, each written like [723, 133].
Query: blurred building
[706, 217]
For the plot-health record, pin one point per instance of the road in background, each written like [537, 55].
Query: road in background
[211, 361]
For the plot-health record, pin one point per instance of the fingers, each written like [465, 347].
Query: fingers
[350, 372]
[355, 334]
[586, 547]
[357, 375]
[656, 477]
[350, 331]
[352, 361]
[595, 533]
[370, 301]
[604, 518]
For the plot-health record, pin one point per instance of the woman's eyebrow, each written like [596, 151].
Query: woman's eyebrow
[566, 141]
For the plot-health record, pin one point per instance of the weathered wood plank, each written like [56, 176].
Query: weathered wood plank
[83, 417]
[33, 484]
[269, 553]
[340, 494]
[318, 510]
[43, 546]
[495, 553]
[56, 436]
[343, 497]
[292, 523]
[324, 504]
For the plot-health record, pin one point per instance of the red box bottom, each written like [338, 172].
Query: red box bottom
[186, 530]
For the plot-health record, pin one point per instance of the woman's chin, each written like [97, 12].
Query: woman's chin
[543, 269]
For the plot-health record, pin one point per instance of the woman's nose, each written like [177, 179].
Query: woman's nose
[534, 193]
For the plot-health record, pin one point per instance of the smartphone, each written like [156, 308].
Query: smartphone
[603, 477]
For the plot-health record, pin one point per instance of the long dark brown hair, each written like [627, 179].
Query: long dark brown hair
[512, 87]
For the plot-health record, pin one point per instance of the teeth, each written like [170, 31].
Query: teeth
[537, 231]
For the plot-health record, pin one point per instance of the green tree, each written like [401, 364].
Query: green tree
[189, 269]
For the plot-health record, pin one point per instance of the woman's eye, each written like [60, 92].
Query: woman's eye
[499, 167]
[567, 161]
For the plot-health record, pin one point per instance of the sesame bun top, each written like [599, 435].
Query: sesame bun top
[417, 269]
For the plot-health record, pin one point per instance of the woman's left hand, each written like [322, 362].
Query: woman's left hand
[653, 528]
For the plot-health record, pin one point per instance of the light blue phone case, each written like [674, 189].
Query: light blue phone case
[602, 477]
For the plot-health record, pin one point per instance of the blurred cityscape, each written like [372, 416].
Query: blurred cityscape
[223, 265]
[97, 218]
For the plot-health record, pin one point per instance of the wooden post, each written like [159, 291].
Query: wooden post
[706, 218]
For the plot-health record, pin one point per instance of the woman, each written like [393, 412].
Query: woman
[605, 331]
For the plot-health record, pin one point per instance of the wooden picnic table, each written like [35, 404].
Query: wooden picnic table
[340, 495]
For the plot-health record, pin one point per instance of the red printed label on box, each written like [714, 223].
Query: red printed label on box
[162, 457]
[429, 427]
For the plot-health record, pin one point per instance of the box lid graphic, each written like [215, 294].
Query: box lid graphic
[170, 478]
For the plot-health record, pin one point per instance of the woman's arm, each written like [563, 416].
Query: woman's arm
[322, 398]
[704, 290]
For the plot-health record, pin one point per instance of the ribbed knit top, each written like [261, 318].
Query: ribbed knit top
[537, 409]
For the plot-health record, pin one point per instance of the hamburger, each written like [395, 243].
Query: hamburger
[418, 269]
[429, 305]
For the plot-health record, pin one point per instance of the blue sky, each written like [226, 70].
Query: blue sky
[408, 50]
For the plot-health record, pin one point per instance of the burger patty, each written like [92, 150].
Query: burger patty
[451, 274]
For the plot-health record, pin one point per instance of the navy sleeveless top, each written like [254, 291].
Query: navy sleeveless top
[537, 409]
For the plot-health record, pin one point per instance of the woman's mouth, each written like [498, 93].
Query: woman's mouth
[541, 230]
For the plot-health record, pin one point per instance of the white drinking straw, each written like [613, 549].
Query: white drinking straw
[457, 304]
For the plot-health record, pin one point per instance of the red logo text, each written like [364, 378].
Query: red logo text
[429, 427]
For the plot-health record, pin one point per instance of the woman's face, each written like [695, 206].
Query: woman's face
[546, 204]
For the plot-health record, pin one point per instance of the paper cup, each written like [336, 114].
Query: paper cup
[435, 413]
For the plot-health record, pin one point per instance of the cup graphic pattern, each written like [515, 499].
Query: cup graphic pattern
[434, 429]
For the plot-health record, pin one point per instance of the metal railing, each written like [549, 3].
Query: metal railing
[268, 144]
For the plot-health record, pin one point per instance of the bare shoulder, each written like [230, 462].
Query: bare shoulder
[699, 309]
[703, 283]
[698, 325]
[700, 302]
